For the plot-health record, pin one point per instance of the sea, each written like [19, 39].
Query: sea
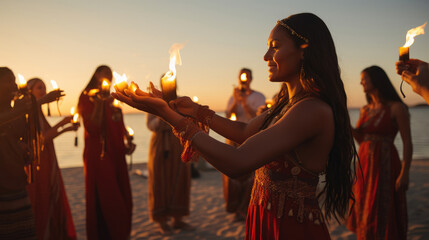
[69, 155]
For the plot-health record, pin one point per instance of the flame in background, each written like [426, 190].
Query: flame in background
[174, 59]
[21, 81]
[412, 33]
[195, 99]
[233, 117]
[72, 111]
[130, 131]
[116, 103]
[54, 84]
[243, 77]
[75, 117]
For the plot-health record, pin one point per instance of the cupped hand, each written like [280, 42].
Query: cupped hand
[147, 102]
[184, 106]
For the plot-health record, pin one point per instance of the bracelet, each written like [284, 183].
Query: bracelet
[185, 130]
[204, 116]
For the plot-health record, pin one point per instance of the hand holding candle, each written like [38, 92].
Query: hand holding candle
[404, 51]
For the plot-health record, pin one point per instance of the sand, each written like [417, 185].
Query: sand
[208, 213]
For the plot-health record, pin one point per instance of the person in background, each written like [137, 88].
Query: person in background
[305, 134]
[16, 215]
[47, 193]
[380, 207]
[243, 104]
[416, 73]
[107, 184]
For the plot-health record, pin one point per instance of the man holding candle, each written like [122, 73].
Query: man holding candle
[244, 103]
[416, 73]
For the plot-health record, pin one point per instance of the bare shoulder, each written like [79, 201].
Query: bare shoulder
[398, 108]
[314, 107]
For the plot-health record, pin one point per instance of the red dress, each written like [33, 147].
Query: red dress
[107, 184]
[379, 211]
[48, 197]
[284, 203]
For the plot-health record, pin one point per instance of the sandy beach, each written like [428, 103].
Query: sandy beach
[211, 220]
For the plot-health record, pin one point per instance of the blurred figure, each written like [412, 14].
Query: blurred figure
[16, 215]
[416, 73]
[380, 210]
[107, 184]
[47, 193]
[169, 181]
[244, 104]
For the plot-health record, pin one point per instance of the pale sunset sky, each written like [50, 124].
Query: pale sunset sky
[65, 40]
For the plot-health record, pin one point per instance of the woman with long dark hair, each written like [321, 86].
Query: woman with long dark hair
[107, 184]
[380, 209]
[304, 135]
[47, 193]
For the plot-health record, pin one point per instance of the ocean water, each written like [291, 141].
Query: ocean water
[70, 156]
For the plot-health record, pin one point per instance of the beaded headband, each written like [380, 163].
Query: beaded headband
[292, 31]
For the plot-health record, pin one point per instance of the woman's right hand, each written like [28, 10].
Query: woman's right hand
[185, 106]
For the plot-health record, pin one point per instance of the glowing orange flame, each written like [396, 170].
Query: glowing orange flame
[243, 77]
[21, 82]
[54, 85]
[72, 111]
[133, 87]
[130, 131]
[120, 81]
[233, 117]
[92, 92]
[174, 59]
[105, 86]
[115, 103]
[195, 99]
[412, 33]
[75, 118]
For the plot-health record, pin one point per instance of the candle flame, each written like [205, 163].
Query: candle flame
[92, 92]
[412, 33]
[75, 117]
[233, 117]
[116, 103]
[21, 81]
[105, 84]
[269, 105]
[130, 131]
[72, 111]
[133, 87]
[54, 85]
[195, 99]
[120, 78]
[243, 77]
[174, 59]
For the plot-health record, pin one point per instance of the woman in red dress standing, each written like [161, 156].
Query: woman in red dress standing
[47, 193]
[380, 210]
[306, 133]
[107, 184]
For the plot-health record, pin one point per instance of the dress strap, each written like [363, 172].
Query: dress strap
[296, 160]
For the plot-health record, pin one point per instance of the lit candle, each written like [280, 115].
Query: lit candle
[105, 87]
[269, 103]
[404, 51]
[116, 103]
[22, 84]
[168, 86]
[54, 85]
[75, 118]
[133, 87]
[130, 131]
[120, 82]
[93, 92]
[233, 117]
[195, 99]
[243, 77]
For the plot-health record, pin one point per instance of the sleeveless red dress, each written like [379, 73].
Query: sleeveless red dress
[380, 212]
[284, 203]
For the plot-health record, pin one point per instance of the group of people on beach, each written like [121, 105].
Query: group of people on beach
[286, 149]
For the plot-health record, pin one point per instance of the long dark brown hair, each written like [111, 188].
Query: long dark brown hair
[381, 82]
[93, 82]
[322, 79]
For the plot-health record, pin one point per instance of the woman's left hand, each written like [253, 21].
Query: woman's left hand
[402, 182]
